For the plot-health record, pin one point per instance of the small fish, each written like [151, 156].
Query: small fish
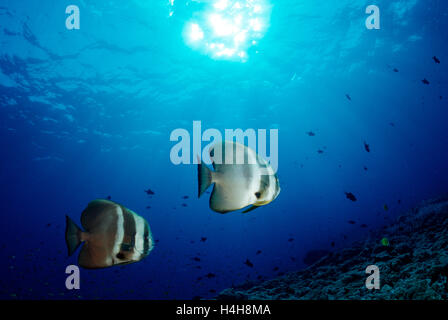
[149, 192]
[436, 60]
[109, 198]
[351, 222]
[332, 244]
[249, 263]
[203, 239]
[210, 275]
[241, 179]
[290, 239]
[348, 97]
[395, 70]
[350, 196]
[366, 169]
[185, 197]
[212, 291]
[114, 235]
[386, 208]
[320, 151]
[196, 259]
[311, 133]
[292, 259]
[366, 146]
[363, 225]
[385, 242]
[184, 205]
[148, 207]
[258, 252]
[275, 269]
[424, 81]
[48, 225]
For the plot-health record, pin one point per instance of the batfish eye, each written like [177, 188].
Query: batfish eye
[120, 256]
[258, 194]
[212, 153]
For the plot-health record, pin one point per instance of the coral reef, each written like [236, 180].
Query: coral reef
[413, 264]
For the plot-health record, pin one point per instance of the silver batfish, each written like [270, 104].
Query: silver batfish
[114, 235]
[237, 184]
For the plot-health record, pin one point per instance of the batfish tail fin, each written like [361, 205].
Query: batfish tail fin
[204, 178]
[72, 235]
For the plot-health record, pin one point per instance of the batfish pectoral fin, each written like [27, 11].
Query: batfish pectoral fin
[226, 199]
[251, 208]
[94, 256]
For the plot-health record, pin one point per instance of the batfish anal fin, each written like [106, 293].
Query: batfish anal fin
[251, 208]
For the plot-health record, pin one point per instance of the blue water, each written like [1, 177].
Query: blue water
[88, 113]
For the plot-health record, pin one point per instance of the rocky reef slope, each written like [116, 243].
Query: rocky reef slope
[413, 265]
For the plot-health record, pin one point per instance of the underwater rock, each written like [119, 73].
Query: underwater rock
[413, 266]
[313, 256]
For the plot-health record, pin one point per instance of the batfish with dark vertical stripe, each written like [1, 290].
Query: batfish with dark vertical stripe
[113, 235]
[241, 178]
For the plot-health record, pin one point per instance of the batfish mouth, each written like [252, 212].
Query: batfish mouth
[265, 202]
